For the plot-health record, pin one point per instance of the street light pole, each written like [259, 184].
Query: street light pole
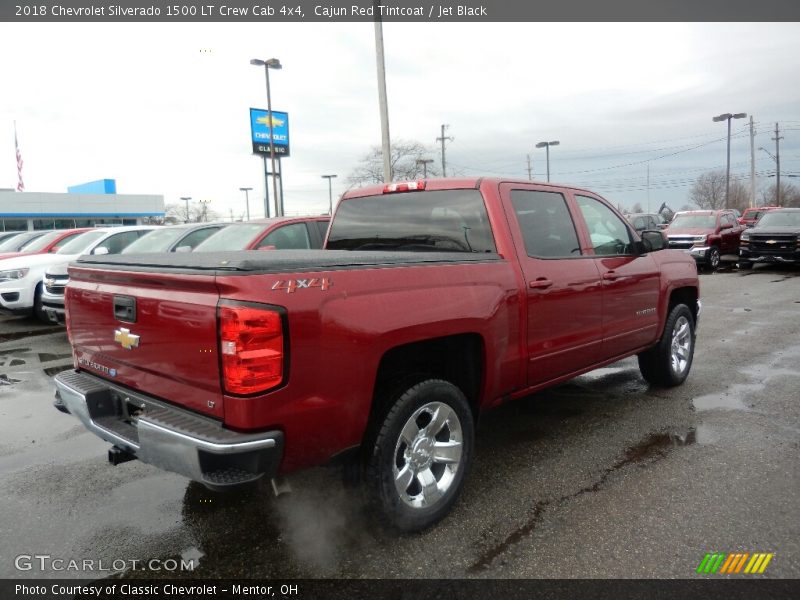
[330, 192]
[272, 63]
[186, 199]
[727, 117]
[424, 162]
[547, 145]
[246, 191]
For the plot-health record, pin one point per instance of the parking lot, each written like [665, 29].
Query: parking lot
[601, 477]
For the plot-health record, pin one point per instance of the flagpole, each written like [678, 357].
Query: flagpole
[20, 183]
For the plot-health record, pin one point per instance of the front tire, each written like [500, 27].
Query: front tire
[668, 363]
[38, 307]
[713, 258]
[421, 454]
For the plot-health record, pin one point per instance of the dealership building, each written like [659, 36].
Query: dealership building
[87, 205]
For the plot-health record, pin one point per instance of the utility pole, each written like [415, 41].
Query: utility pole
[382, 97]
[530, 168]
[443, 139]
[777, 139]
[648, 187]
[186, 199]
[424, 162]
[752, 163]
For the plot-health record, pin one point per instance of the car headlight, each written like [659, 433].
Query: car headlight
[745, 236]
[700, 239]
[13, 274]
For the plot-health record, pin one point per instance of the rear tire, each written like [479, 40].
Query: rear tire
[421, 454]
[668, 363]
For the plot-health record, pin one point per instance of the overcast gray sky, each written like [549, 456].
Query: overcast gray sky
[163, 108]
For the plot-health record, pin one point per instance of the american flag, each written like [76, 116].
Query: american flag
[20, 184]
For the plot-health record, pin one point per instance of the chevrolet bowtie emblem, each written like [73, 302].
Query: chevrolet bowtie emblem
[772, 241]
[126, 338]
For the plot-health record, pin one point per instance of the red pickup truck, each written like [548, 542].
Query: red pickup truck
[433, 301]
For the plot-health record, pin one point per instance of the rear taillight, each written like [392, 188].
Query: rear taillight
[252, 348]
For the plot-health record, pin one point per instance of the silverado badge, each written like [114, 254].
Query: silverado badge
[126, 338]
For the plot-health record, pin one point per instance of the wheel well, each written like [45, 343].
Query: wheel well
[457, 359]
[687, 296]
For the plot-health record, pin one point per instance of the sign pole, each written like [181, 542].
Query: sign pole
[266, 187]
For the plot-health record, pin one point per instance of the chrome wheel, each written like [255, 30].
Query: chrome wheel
[681, 345]
[713, 258]
[427, 455]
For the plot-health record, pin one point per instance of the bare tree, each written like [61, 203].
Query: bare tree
[198, 213]
[637, 208]
[708, 192]
[790, 195]
[405, 155]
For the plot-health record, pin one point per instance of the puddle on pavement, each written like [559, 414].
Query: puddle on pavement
[52, 371]
[6, 380]
[20, 335]
[47, 357]
[723, 401]
[654, 447]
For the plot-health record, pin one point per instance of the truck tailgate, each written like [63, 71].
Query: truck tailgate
[154, 332]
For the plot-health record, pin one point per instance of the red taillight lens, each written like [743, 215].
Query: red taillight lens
[251, 347]
[406, 186]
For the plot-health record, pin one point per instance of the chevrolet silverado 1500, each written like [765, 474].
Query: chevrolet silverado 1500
[433, 301]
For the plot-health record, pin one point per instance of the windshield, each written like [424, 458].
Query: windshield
[440, 221]
[158, 240]
[698, 221]
[233, 237]
[81, 244]
[779, 219]
[13, 244]
[40, 243]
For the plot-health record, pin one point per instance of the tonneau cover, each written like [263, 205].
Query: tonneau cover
[275, 261]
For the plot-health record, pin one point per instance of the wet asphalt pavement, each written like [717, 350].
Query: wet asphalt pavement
[601, 477]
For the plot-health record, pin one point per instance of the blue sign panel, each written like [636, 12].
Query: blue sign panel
[262, 125]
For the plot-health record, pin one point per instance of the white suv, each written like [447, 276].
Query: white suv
[21, 286]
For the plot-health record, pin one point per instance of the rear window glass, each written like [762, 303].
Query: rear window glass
[233, 237]
[41, 242]
[443, 221]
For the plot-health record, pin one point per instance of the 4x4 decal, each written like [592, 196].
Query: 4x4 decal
[292, 285]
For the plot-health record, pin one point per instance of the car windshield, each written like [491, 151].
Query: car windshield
[81, 244]
[40, 243]
[699, 221]
[779, 219]
[158, 240]
[13, 244]
[234, 237]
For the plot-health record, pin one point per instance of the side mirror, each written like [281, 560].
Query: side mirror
[101, 250]
[183, 249]
[653, 240]
[267, 248]
[726, 226]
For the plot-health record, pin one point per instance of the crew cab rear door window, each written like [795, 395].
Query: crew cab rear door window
[546, 225]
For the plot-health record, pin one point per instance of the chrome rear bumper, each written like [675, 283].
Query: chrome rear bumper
[169, 437]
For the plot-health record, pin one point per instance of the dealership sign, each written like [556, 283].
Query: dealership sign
[262, 125]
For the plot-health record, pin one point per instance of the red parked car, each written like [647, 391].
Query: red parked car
[46, 242]
[751, 215]
[277, 233]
